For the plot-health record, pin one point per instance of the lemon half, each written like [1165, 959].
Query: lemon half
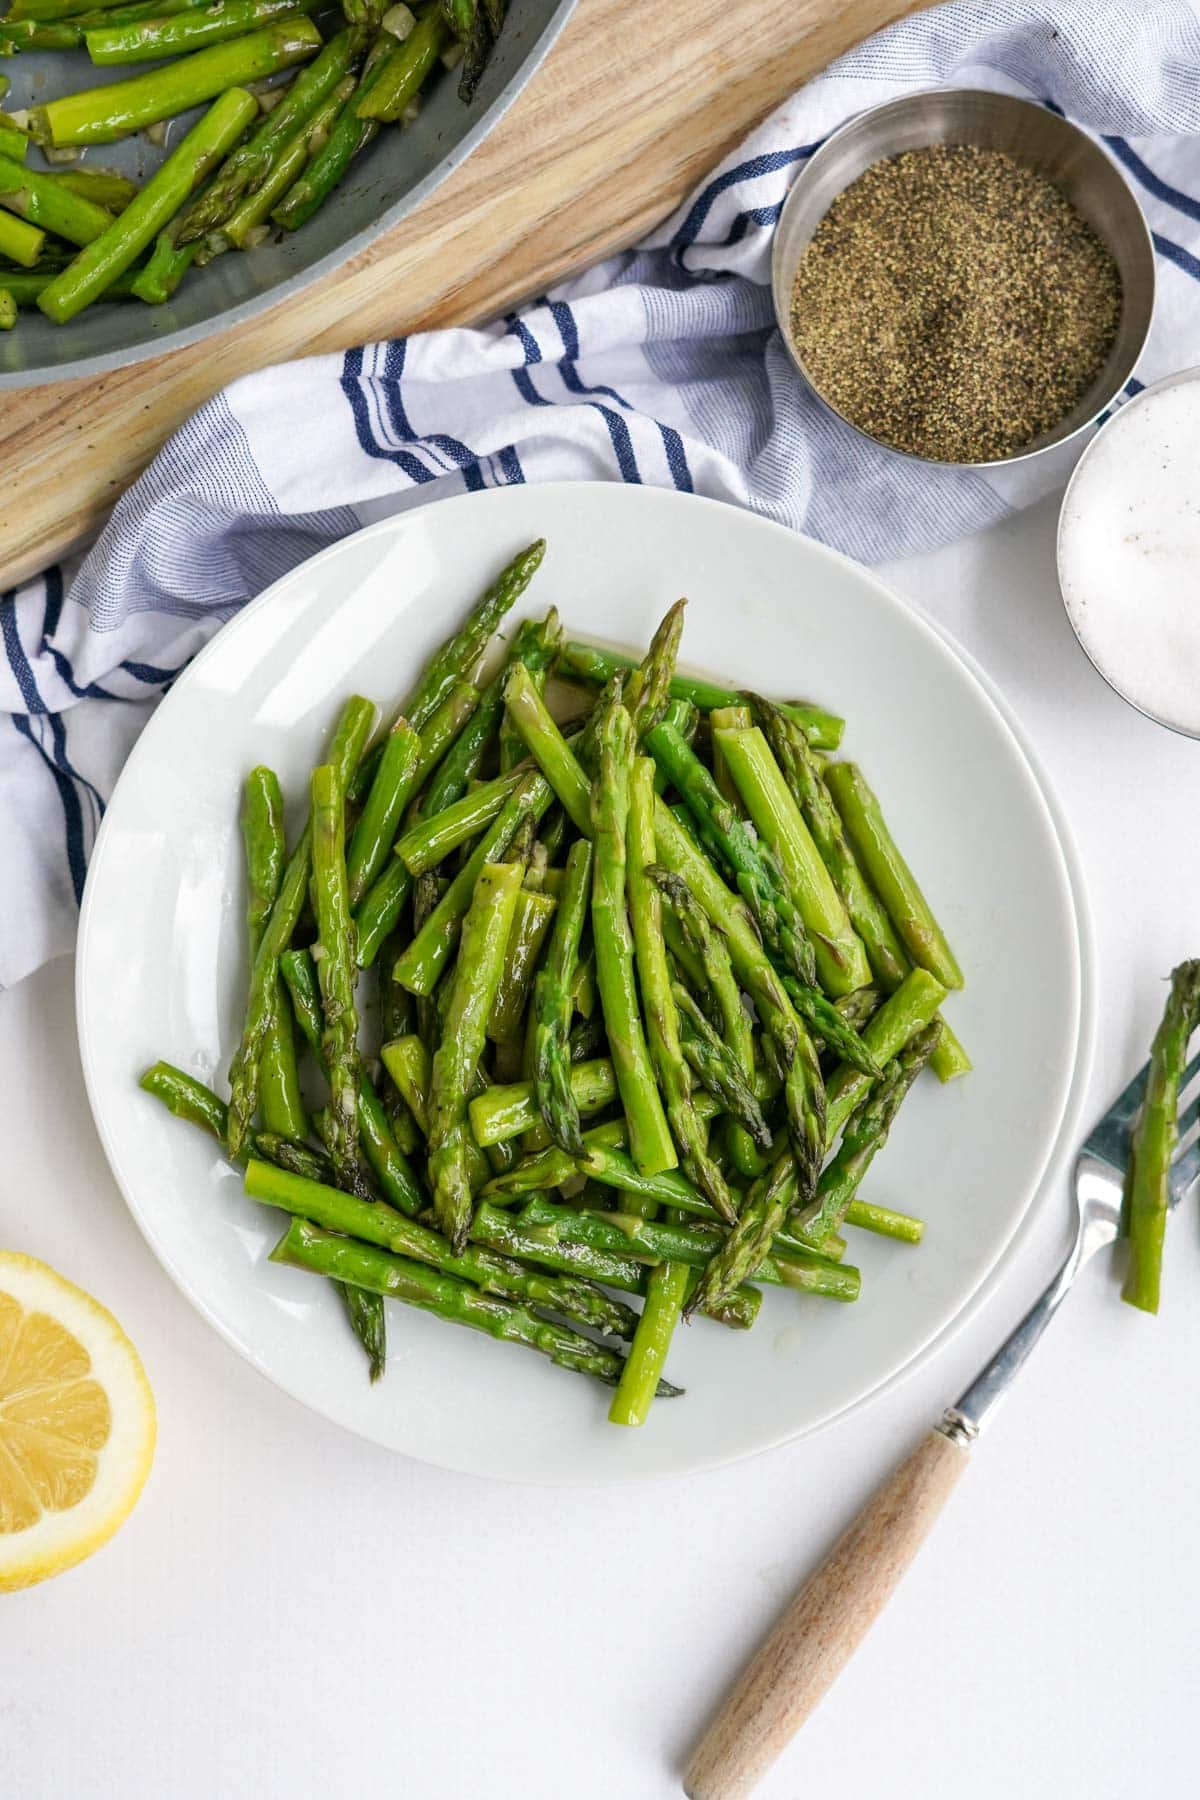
[77, 1423]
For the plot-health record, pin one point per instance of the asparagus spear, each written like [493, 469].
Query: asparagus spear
[379, 910]
[266, 856]
[248, 219]
[648, 689]
[13, 144]
[20, 243]
[445, 723]
[101, 115]
[588, 662]
[421, 964]
[350, 735]
[8, 310]
[57, 9]
[650, 1136]
[472, 996]
[463, 760]
[430, 839]
[508, 1236]
[891, 876]
[666, 1291]
[104, 186]
[476, 50]
[534, 648]
[368, 1322]
[99, 264]
[347, 136]
[728, 841]
[383, 903]
[249, 165]
[335, 962]
[186, 1097]
[164, 268]
[174, 33]
[375, 1223]
[766, 1207]
[840, 958]
[296, 1158]
[506, 1110]
[804, 1090]
[865, 1135]
[530, 718]
[553, 1078]
[901, 1016]
[390, 793]
[656, 1241]
[718, 1068]
[361, 1265]
[44, 202]
[1154, 1140]
[388, 1164]
[531, 921]
[882, 1220]
[404, 70]
[658, 998]
[702, 954]
[828, 1023]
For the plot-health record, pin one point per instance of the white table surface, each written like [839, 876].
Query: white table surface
[290, 1612]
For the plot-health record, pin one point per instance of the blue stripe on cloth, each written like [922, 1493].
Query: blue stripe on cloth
[152, 676]
[676, 456]
[393, 371]
[525, 338]
[618, 430]
[50, 617]
[54, 600]
[677, 460]
[58, 730]
[692, 226]
[69, 801]
[532, 354]
[93, 690]
[1154, 184]
[510, 466]
[1175, 253]
[754, 215]
[352, 387]
[14, 649]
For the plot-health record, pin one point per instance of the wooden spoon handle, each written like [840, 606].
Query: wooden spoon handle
[823, 1625]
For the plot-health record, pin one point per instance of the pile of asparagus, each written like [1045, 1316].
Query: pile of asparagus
[654, 980]
[264, 154]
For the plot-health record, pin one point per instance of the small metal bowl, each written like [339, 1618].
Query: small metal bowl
[1032, 135]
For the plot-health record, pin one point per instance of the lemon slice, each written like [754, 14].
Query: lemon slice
[76, 1423]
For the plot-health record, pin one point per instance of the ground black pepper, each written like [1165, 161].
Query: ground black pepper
[954, 303]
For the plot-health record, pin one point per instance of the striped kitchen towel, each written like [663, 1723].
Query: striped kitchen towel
[660, 365]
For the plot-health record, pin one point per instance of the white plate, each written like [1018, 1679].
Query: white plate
[161, 962]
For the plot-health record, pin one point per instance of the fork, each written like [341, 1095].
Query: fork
[829, 1617]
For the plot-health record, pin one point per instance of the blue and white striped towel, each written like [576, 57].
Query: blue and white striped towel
[660, 365]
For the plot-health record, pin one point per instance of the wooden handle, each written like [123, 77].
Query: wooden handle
[824, 1625]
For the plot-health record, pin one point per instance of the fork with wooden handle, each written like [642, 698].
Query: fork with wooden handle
[831, 1614]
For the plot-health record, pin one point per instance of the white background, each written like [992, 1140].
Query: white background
[290, 1612]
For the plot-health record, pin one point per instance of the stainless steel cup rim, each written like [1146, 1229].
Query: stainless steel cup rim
[1179, 379]
[933, 107]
